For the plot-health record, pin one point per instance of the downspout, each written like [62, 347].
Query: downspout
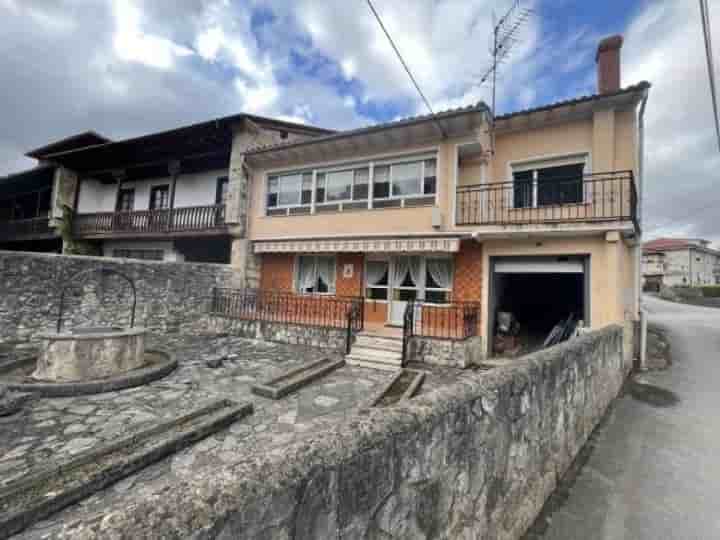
[642, 327]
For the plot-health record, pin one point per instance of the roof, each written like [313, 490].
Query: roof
[81, 140]
[412, 120]
[670, 244]
[29, 180]
[640, 87]
[211, 138]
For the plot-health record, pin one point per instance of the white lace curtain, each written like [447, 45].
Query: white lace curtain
[312, 268]
[326, 271]
[441, 272]
[400, 270]
[375, 271]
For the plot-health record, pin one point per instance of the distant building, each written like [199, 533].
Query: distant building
[680, 261]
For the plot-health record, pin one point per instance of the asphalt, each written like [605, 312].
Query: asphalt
[652, 469]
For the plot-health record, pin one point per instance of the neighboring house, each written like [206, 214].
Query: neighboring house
[542, 223]
[177, 195]
[532, 212]
[680, 261]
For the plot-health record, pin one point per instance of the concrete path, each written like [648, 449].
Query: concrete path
[653, 468]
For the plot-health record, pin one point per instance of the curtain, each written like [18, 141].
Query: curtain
[307, 273]
[415, 267]
[375, 271]
[326, 271]
[400, 270]
[441, 272]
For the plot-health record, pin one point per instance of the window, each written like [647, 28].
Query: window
[160, 197]
[438, 280]
[221, 190]
[315, 274]
[562, 184]
[381, 182]
[377, 279]
[338, 186]
[125, 200]
[406, 179]
[145, 254]
[347, 185]
[289, 190]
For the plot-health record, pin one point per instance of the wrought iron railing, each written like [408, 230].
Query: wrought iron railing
[190, 218]
[588, 198]
[455, 321]
[18, 228]
[282, 307]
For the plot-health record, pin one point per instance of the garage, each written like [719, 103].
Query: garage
[539, 292]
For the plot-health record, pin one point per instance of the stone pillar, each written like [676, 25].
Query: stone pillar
[246, 264]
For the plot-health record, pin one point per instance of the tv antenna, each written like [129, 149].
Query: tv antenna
[506, 35]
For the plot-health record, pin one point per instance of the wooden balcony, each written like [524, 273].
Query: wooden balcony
[186, 221]
[590, 199]
[26, 229]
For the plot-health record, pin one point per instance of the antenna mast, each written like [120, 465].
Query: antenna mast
[505, 36]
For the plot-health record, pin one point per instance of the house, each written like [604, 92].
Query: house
[680, 261]
[169, 196]
[436, 222]
[533, 212]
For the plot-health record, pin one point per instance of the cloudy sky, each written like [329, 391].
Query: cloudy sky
[127, 67]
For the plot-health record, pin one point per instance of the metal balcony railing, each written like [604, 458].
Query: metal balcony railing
[595, 197]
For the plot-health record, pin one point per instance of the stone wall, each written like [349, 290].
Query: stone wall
[171, 297]
[474, 459]
[295, 334]
[446, 352]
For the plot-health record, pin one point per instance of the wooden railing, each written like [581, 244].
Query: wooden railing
[19, 228]
[191, 218]
[589, 198]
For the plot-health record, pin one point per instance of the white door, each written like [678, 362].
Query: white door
[406, 289]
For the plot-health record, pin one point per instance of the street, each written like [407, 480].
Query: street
[653, 468]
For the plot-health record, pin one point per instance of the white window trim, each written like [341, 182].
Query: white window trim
[376, 258]
[296, 271]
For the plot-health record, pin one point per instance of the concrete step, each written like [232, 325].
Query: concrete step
[376, 353]
[372, 363]
[381, 343]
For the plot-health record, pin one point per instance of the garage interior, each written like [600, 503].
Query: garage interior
[540, 293]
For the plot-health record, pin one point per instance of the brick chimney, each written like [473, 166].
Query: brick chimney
[608, 64]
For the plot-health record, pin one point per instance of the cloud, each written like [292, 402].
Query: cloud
[664, 45]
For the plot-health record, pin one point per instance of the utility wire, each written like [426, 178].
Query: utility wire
[705, 17]
[407, 69]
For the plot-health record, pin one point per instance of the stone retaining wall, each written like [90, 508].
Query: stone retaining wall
[172, 297]
[295, 334]
[446, 352]
[474, 459]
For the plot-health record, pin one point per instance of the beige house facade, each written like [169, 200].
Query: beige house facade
[688, 262]
[533, 212]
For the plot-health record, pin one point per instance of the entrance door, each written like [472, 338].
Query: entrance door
[404, 286]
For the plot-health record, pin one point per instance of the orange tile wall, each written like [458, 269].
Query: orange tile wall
[467, 284]
[276, 272]
[349, 286]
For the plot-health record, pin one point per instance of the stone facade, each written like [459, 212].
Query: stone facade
[446, 352]
[476, 458]
[333, 339]
[172, 297]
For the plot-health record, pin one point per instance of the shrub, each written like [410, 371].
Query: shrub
[711, 291]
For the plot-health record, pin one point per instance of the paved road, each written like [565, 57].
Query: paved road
[653, 471]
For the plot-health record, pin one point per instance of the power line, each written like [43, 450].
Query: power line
[407, 69]
[705, 17]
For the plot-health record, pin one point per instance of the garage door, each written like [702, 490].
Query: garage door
[540, 265]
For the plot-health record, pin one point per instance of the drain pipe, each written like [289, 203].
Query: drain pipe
[642, 326]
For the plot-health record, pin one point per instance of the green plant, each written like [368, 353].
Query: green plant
[711, 291]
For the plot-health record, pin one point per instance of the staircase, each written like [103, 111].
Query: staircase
[377, 352]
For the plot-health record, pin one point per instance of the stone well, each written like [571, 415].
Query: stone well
[90, 353]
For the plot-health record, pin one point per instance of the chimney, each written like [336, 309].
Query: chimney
[608, 64]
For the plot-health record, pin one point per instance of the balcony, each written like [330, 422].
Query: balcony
[186, 221]
[592, 198]
[26, 229]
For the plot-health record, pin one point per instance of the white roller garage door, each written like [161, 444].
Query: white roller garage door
[539, 265]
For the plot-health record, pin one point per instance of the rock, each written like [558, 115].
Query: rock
[12, 402]
[215, 362]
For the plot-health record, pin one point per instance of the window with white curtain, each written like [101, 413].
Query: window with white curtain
[377, 278]
[438, 280]
[315, 274]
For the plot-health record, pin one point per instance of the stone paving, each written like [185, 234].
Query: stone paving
[49, 429]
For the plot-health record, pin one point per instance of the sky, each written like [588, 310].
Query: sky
[129, 67]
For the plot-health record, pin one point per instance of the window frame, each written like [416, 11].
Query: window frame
[296, 273]
[155, 189]
[534, 164]
[366, 285]
[369, 164]
[118, 199]
[449, 291]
